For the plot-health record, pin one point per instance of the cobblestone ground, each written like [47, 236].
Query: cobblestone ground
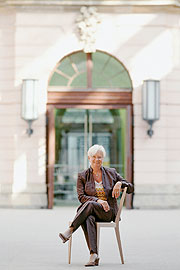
[29, 240]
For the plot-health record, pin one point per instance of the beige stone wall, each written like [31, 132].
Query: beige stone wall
[33, 40]
[156, 160]
[22, 159]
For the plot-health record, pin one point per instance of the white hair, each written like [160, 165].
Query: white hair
[95, 148]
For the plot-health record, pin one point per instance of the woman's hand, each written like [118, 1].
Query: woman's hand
[116, 190]
[104, 204]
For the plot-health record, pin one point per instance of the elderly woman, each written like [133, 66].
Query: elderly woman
[98, 189]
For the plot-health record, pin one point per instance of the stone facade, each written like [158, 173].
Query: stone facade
[34, 37]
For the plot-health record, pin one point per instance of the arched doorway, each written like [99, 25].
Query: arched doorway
[89, 101]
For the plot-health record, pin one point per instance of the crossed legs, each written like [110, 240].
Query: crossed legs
[87, 216]
[91, 213]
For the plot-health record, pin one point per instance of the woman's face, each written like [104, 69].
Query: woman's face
[96, 160]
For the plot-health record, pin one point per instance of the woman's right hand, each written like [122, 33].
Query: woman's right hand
[104, 204]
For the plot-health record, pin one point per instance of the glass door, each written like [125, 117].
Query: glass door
[75, 131]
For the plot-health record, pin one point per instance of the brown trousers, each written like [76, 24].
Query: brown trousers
[91, 213]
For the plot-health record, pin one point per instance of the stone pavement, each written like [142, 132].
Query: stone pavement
[29, 241]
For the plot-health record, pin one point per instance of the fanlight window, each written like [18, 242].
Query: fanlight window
[96, 70]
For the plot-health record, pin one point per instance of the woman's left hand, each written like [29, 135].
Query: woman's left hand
[116, 190]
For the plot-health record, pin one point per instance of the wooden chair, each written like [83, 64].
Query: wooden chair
[111, 224]
[69, 247]
[114, 225]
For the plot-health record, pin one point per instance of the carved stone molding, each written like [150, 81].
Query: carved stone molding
[87, 23]
[90, 3]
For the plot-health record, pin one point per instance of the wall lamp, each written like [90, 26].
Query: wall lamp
[151, 103]
[29, 102]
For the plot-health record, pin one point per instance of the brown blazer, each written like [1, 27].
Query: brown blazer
[86, 187]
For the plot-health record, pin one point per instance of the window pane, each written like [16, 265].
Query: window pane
[100, 81]
[79, 59]
[66, 67]
[58, 79]
[100, 60]
[121, 80]
[108, 72]
[80, 81]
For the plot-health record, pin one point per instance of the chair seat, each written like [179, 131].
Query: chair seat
[106, 224]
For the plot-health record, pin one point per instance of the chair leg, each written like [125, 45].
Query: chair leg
[119, 243]
[69, 249]
[98, 236]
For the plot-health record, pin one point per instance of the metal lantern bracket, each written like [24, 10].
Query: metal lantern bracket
[150, 131]
[29, 130]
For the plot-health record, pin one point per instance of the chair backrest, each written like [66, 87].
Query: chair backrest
[121, 205]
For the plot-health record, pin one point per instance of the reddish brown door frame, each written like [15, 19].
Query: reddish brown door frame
[50, 154]
[90, 99]
[56, 103]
